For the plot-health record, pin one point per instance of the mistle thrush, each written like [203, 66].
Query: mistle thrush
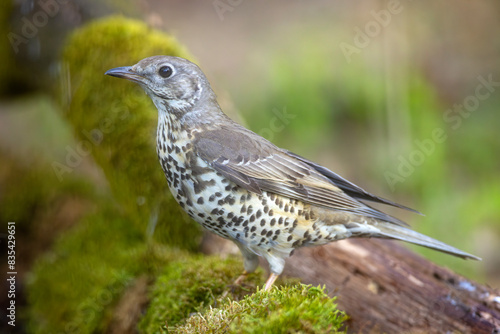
[267, 200]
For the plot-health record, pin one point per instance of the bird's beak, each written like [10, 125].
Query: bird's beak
[126, 72]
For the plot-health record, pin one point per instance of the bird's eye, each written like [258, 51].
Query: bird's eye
[165, 71]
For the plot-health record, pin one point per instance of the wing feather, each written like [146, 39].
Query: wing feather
[257, 165]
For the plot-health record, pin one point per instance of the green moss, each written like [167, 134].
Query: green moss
[287, 309]
[76, 284]
[201, 285]
[116, 121]
[193, 286]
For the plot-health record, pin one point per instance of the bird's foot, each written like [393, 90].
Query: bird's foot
[236, 284]
[241, 278]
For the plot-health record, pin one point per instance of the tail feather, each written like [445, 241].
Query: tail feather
[389, 230]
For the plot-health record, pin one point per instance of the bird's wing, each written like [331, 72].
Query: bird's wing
[348, 187]
[257, 165]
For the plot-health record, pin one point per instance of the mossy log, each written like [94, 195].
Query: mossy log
[386, 288]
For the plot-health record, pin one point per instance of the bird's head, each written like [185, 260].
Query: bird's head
[173, 81]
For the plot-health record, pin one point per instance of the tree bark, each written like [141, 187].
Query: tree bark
[384, 287]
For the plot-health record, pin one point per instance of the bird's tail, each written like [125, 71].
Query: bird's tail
[389, 230]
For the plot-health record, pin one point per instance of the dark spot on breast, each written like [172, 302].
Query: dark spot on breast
[290, 237]
[230, 200]
[262, 222]
[199, 186]
[200, 200]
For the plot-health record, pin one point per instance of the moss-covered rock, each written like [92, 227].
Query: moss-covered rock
[286, 309]
[196, 296]
[76, 286]
[193, 286]
[116, 122]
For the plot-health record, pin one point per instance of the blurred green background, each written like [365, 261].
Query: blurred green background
[400, 97]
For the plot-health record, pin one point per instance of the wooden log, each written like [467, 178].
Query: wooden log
[384, 287]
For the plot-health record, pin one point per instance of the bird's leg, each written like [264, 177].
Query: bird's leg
[236, 283]
[241, 278]
[270, 281]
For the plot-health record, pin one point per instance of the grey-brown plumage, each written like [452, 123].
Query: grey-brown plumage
[267, 200]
